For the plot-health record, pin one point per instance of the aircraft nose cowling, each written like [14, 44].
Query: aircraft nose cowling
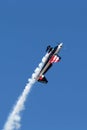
[61, 44]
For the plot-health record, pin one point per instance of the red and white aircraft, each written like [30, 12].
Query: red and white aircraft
[52, 58]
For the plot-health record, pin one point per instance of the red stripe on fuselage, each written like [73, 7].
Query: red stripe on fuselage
[54, 58]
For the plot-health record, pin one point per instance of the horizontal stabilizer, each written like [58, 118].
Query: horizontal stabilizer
[42, 79]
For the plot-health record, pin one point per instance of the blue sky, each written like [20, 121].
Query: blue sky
[26, 28]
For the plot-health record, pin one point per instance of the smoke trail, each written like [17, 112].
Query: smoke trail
[14, 118]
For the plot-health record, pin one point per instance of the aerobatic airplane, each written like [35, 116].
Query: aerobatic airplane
[52, 58]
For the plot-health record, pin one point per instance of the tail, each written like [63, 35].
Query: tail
[43, 79]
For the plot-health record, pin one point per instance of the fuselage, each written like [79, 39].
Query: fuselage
[53, 53]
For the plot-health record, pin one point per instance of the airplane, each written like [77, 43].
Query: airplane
[52, 58]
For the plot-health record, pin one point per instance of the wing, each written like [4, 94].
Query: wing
[54, 59]
[49, 48]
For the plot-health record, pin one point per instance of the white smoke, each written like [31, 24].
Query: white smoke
[14, 118]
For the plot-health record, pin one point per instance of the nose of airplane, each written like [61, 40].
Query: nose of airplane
[61, 44]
